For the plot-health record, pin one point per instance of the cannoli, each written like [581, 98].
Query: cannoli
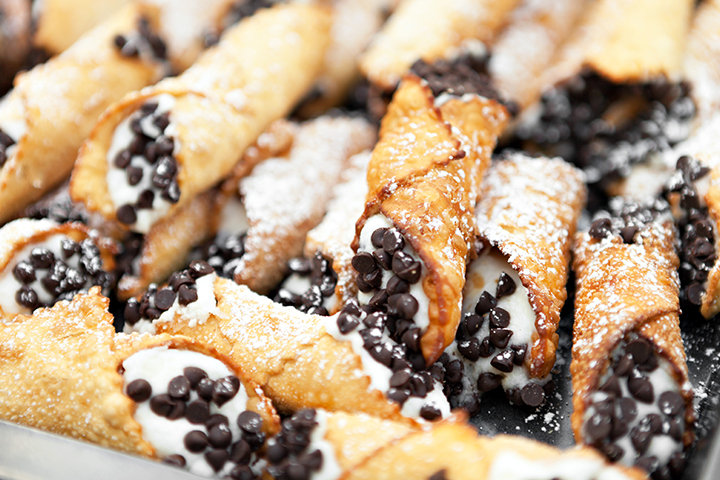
[631, 395]
[422, 29]
[515, 289]
[323, 280]
[162, 397]
[288, 353]
[165, 145]
[53, 107]
[701, 66]
[43, 262]
[418, 219]
[15, 26]
[615, 98]
[270, 213]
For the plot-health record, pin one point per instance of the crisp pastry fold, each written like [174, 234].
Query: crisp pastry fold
[420, 30]
[42, 262]
[167, 144]
[98, 386]
[631, 395]
[515, 289]
[53, 107]
[422, 186]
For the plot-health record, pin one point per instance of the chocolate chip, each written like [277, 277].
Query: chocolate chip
[641, 388]
[179, 388]
[411, 339]
[470, 349]
[373, 279]
[205, 389]
[612, 386]
[145, 200]
[652, 423]
[597, 428]
[392, 240]
[132, 311]
[520, 352]
[612, 451]
[677, 463]
[119, 41]
[175, 460]
[671, 403]
[27, 297]
[225, 389]
[362, 285]
[126, 214]
[216, 419]
[503, 361]
[640, 439]
[41, 258]
[313, 460]
[347, 322]
[164, 298]
[194, 375]
[165, 406]
[162, 121]
[383, 258]
[250, 422]
[400, 378]
[626, 409]
[694, 293]
[171, 193]
[138, 390]
[164, 145]
[674, 428]
[486, 347]
[242, 472]
[240, 452]
[488, 381]
[198, 412]
[473, 322]
[640, 349]
[24, 272]
[406, 306]
[398, 395]
[412, 273]
[485, 303]
[625, 365]
[137, 145]
[499, 317]
[382, 353]
[430, 412]
[377, 237]
[532, 395]
[500, 337]
[165, 171]
[122, 159]
[364, 262]
[219, 436]
[198, 269]
[628, 233]
[216, 458]
[187, 295]
[134, 174]
[601, 228]
[506, 286]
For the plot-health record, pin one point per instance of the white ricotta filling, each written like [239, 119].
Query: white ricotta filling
[160, 365]
[233, 218]
[330, 469]
[509, 465]
[121, 192]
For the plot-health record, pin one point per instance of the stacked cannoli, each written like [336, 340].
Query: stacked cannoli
[631, 395]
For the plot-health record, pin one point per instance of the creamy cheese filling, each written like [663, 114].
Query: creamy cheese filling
[509, 465]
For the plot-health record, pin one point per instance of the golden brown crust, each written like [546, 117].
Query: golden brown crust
[528, 210]
[223, 102]
[711, 299]
[622, 289]
[68, 359]
[421, 29]
[433, 180]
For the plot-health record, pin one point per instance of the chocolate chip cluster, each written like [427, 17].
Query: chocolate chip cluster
[322, 279]
[6, 142]
[289, 454]
[154, 301]
[75, 268]
[131, 46]
[224, 253]
[131, 248]
[574, 123]
[627, 219]
[190, 396]
[247, 8]
[149, 153]
[615, 416]
[62, 210]
[697, 235]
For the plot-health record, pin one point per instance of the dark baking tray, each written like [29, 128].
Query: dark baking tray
[29, 454]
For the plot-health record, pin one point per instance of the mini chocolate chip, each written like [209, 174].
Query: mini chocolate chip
[378, 299]
[674, 428]
[374, 278]
[194, 375]
[649, 365]
[485, 303]
[499, 317]
[626, 409]
[375, 320]
[220, 436]
[313, 460]
[412, 273]
[27, 297]
[216, 458]
[652, 423]
[122, 159]
[640, 439]
[400, 378]
[138, 390]
[296, 471]
[136, 126]
[205, 389]
[694, 293]
[601, 228]
[69, 248]
[503, 361]
[175, 460]
[392, 240]
[383, 258]
[597, 428]
[486, 347]
[377, 237]
[216, 419]
[671, 403]
[242, 472]
[164, 145]
[250, 422]
[612, 451]
[470, 349]
[382, 353]
[132, 311]
[430, 412]
[199, 269]
[24, 272]
[137, 145]
[371, 337]
[641, 388]
[119, 41]
[150, 152]
[454, 371]
[640, 349]
[164, 298]
[163, 405]
[364, 262]
[171, 193]
[520, 352]
[126, 214]
[362, 285]
[406, 306]
[179, 388]
[240, 452]
[134, 174]
[347, 322]
[198, 412]
[612, 386]
[41, 258]
[677, 463]
[628, 233]
[225, 389]
[145, 200]
[187, 295]
[500, 337]
[417, 386]
[437, 371]
[165, 171]
[398, 395]
[619, 428]
[162, 121]
[625, 365]
[506, 286]
[488, 381]
[473, 322]
[532, 395]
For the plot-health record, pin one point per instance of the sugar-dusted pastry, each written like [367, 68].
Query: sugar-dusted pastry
[452, 450]
[631, 395]
[157, 149]
[15, 26]
[53, 107]
[42, 262]
[296, 362]
[163, 397]
[515, 289]
[265, 220]
[417, 231]
[422, 29]
[324, 280]
[701, 64]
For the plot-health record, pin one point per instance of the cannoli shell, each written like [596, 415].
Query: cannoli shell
[223, 102]
[626, 41]
[433, 180]
[61, 100]
[423, 29]
[287, 352]
[528, 210]
[624, 288]
[68, 359]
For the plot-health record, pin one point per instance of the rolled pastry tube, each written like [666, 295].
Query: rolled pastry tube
[700, 65]
[43, 262]
[163, 146]
[631, 395]
[328, 257]
[162, 397]
[54, 106]
[614, 97]
[415, 236]
[288, 353]
[421, 29]
[515, 289]
[452, 450]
